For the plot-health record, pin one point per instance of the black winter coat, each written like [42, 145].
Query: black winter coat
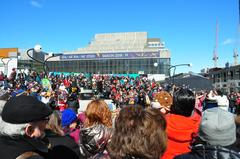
[62, 147]
[11, 148]
[209, 152]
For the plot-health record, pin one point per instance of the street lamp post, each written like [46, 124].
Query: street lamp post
[5, 58]
[51, 55]
[175, 66]
[37, 49]
[156, 66]
[5, 64]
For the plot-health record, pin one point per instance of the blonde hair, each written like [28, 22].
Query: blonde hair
[54, 123]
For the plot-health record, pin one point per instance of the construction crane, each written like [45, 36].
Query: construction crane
[215, 52]
[235, 51]
[235, 56]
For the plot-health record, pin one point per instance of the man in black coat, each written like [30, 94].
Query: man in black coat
[22, 124]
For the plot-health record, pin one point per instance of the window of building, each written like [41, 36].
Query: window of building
[231, 74]
[224, 77]
[238, 73]
[218, 77]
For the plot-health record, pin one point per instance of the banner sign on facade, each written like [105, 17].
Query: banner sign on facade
[110, 55]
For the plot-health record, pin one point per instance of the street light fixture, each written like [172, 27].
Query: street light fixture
[175, 66]
[37, 48]
[5, 64]
[155, 64]
[50, 55]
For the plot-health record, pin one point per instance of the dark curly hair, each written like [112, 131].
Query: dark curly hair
[139, 133]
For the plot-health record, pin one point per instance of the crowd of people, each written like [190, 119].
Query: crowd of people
[40, 119]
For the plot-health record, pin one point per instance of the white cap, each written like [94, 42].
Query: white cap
[156, 105]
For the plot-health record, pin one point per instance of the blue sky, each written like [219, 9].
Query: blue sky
[188, 27]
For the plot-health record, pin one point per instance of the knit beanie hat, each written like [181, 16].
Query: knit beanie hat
[218, 127]
[24, 109]
[68, 117]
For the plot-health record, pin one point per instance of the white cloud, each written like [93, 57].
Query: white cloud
[36, 4]
[228, 41]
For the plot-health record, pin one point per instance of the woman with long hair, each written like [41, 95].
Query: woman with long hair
[139, 134]
[61, 145]
[96, 132]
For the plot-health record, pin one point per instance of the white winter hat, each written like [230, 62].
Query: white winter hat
[156, 105]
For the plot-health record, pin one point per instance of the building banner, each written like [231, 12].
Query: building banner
[120, 55]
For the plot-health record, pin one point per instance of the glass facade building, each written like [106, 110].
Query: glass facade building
[116, 53]
[112, 66]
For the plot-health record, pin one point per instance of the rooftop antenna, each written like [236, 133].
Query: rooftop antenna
[215, 52]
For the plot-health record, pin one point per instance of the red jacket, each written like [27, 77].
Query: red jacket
[1, 77]
[180, 130]
[66, 83]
